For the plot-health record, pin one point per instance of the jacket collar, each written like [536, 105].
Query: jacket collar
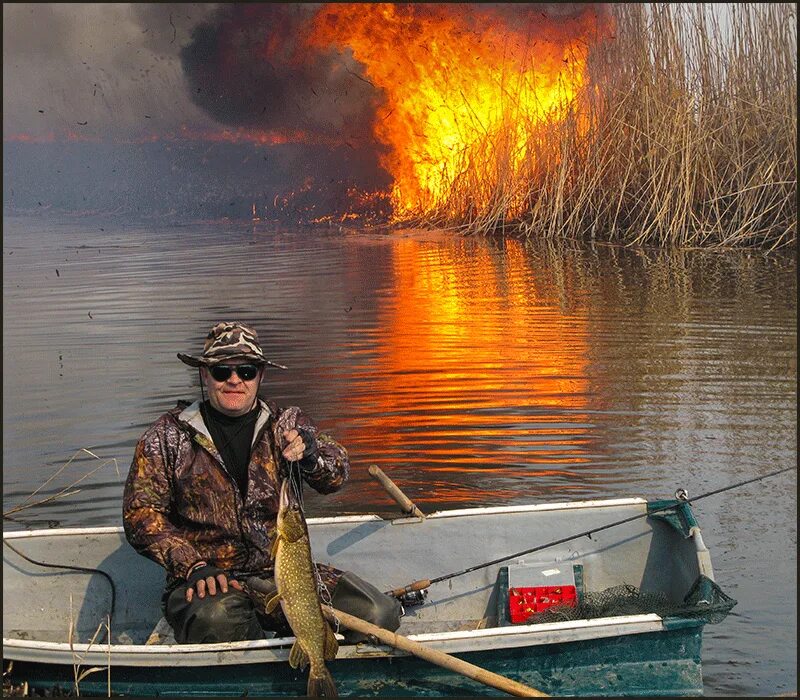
[192, 417]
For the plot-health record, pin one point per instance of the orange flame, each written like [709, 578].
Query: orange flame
[457, 87]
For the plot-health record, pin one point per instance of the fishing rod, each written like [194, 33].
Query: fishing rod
[414, 588]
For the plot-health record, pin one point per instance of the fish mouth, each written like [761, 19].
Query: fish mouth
[283, 502]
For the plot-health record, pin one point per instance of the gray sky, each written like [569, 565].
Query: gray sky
[107, 64]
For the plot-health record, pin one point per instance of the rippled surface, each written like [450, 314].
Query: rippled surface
[473, 372]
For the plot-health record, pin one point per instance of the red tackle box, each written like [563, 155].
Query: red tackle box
[534, 587]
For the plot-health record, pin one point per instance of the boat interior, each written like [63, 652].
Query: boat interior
[651, 553]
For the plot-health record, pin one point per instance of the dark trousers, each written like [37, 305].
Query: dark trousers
[224, 617]
[235, 616]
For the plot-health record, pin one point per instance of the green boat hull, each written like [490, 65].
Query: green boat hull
[665, 663]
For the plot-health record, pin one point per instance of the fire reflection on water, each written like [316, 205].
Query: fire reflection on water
[454, 385]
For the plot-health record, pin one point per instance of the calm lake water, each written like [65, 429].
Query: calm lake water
[474, 372]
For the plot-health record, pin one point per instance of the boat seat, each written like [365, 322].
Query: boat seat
[162, 633]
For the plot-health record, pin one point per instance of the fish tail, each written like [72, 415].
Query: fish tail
[320, 684]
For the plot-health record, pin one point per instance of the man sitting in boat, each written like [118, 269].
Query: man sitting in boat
[201, 498]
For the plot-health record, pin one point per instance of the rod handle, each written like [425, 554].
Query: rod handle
[416, 586]
[394, 491]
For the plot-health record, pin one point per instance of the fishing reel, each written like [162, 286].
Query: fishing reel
[412, 598]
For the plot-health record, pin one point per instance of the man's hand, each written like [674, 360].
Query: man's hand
[208, 584]
[295, 447]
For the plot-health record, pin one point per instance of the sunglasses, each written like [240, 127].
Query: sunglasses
[222, 373]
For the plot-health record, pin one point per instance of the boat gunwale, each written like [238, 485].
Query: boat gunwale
[371, 517]
[246, 652]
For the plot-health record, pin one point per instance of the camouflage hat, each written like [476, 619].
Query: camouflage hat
[227, 341]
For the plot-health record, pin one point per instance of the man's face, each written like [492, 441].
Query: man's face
[233, 396]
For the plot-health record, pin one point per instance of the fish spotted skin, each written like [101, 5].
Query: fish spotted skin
[296, 581]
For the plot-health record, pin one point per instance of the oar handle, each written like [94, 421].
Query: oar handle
[434, 656]
[394, 491]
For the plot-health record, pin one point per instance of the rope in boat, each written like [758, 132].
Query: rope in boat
[72, 568]
[587, 533]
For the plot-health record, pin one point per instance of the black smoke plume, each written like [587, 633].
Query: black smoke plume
[248, 66]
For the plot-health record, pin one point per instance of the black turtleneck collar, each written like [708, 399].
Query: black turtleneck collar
[209, 412]
[232, 436]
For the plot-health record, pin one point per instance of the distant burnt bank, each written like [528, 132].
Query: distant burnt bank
[194, 179]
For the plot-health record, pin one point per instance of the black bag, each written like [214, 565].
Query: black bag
[352, 594]
[355, 596]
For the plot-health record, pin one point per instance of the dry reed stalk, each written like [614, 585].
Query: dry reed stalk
[10, 689]
[63, 493]
[58, 471]
[78, 674]
[685, 135]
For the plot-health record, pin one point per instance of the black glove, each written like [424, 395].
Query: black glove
[309, 459]
[202, 573]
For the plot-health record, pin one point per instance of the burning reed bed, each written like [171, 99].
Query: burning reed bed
[683, 133]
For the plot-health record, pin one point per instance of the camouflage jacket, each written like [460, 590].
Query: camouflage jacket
[181, 506]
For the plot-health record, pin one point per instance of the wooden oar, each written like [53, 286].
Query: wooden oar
[451, 663]
[394, 491]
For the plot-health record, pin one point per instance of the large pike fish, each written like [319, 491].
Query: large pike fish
[297, 593]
